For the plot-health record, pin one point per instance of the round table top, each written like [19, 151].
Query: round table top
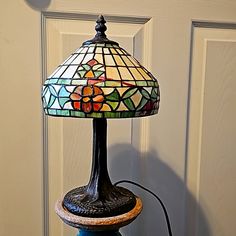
[96, 224]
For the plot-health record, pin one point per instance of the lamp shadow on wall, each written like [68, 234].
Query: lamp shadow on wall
[38, 5]
[125, 162]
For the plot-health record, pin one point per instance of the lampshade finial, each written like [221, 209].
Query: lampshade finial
[101, 27]
[100, 37]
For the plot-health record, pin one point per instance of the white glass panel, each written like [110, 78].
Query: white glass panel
[106, 51]
[136, 74]
[56, 105]
[79, 82]
[84, 50]
[99, 58]
[127, 61]
[125, 74]
[66, 59]
[68, 106]
[78, 59]
[79, 50]
[113, 51]
[69, 72]
[91, 49]
[76, 76]
[118, 60]
[56, 87]
[70, 88]
[148, 89]
[133, 61]
[54, 72]
[122, 107]
[144, 74]
[70, 59]
[98, 50]
[109, 60]
[112, 73]
[59, 72]
[47, 96]
[108, 90]
[119, 51]
[87, 58]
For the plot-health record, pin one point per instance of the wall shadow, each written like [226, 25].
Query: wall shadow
[125, 162]
[38, 5]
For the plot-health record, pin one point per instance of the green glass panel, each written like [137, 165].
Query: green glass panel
[129, 92]
[63, 112]
[114, 105]
[95, 115]
[51, 101]
[142, 103]
[113, 83]
[127, 114]
[63, 92]
[81, 73]
[45, 89]
[86, 67]
[141, 83]
[108, 114]
[154, 93]
[98, 73]
[52, 112]
[129, 103]
[53, 81]
[62, 101]
[64, 81]
[145, 93]
[114, 96]
[46, 81]
[77, 113]
[151, 83]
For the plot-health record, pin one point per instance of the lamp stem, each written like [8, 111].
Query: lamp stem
[99, 198]
[99, 182]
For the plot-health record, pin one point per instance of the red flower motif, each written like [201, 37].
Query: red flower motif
[87, 98]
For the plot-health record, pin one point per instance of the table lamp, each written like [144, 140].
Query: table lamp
[100, 80]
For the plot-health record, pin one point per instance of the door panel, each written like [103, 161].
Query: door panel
[212, 131]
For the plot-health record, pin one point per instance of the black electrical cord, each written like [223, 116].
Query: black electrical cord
[159, 200]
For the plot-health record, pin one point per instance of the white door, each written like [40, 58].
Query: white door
[185, 154]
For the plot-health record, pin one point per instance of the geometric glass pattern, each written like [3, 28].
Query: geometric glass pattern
[101, 80]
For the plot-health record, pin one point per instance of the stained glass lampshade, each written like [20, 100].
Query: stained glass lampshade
[100, 80]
